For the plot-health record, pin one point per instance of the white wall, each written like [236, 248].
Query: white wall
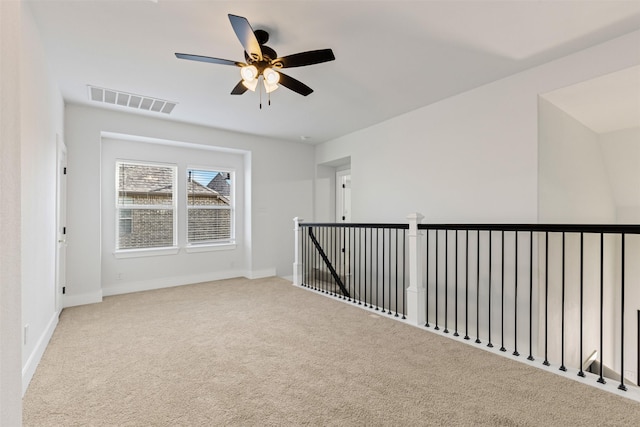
[621, 154]
[121, 275]
[472, 157]
[280, 177]
[41, 112]
[574, 187]
[10, 318]
[573, 181]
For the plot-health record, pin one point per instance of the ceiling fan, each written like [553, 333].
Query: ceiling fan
[262, 62]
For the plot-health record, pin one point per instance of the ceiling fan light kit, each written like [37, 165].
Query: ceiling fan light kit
[261, 61]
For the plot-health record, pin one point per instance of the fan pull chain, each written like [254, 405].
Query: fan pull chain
[260, 94]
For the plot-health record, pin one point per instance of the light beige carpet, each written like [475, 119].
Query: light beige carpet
[263, 352]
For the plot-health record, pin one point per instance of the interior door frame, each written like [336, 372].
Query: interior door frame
[61, 219]
[341, 175]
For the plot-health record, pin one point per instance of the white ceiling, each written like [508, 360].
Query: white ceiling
[391, 56]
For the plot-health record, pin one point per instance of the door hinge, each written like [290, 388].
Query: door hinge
[64, 290]
[344, 186]
[64, 170]
[343, 217]
[64, 230]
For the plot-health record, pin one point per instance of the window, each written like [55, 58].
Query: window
[145, 205]
[209, 206]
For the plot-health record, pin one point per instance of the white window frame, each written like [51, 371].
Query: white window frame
[211, 245]
[140, 252]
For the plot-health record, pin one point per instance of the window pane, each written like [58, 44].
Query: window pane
[145, 184]
[145, 206]
[209, 225]
[210, 208]
[145, 228]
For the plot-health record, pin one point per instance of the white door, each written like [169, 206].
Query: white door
[343, 214]
[343, 196]
[61, 221]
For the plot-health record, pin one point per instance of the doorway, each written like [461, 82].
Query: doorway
[343, 196]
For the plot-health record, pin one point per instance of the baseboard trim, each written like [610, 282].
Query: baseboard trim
[167, 282]
[260, 274]
[289, 278]
[33, 361]
[82, 299]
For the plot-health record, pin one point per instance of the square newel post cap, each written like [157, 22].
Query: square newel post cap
[415, 216]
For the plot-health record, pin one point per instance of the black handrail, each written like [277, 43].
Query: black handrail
[567, 228]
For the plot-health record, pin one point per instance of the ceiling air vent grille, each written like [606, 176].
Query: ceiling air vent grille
[131, 100]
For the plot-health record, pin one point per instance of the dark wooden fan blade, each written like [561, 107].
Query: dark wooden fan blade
[247, 37]
[239, 89]
[295, 85]
[208, 59]
[305, 58]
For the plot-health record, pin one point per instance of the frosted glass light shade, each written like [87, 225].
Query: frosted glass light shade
[250, 84]
[269, 87]
[249, 73]
[270, 76]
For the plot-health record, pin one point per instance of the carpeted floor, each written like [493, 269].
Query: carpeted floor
[263, 352]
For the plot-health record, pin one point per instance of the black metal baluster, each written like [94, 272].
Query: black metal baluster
[490, 269]
[530, 357]
[326, 247]
[515, 304]
[345, 268]
[466, 288]
[581, 372]
[396, 272]
[371, 269]
[311, 262]
[336, 256]
[303, 256]
[338, 242]
[377, 260]
[502, 299]
[360, 270]
[601, 379]
[437, 328]
[383, 247]
[622, 386]
[389, 310]
[319, 238]
[446, 281]
[365, 267]
[478, 288]
[332, 243]
[351, 257]
[456, 334]
[325, 282]
[562, 367]
[427, 280]
[315, 263]
[546, 297]
[404, 273]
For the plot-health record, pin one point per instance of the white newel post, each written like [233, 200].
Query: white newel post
[297, 265]
[416, 292]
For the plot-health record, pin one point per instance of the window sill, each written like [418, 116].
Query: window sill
[228, 246]
[136, 253]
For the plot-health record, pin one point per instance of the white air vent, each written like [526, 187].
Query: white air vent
[124, 99]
